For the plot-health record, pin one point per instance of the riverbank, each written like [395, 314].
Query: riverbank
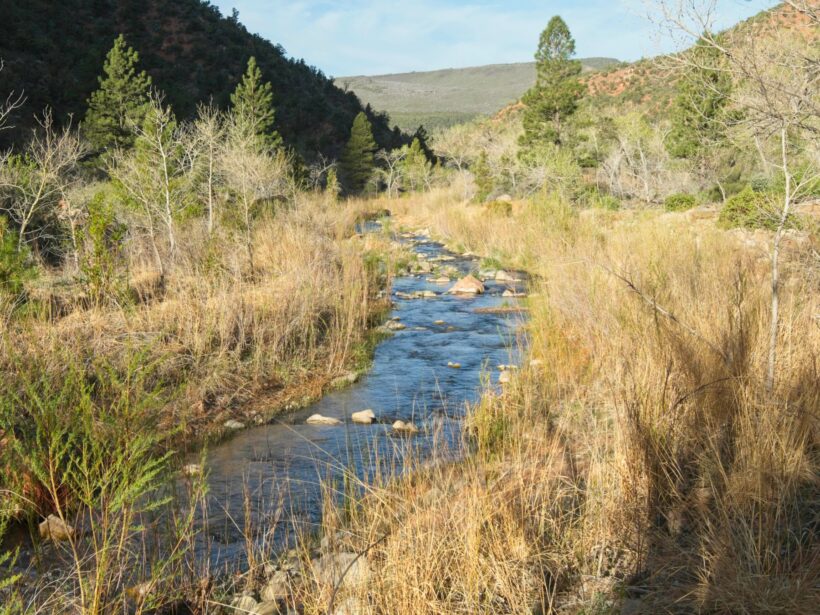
[635, 463]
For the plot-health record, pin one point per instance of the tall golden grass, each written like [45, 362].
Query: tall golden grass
[637, 460]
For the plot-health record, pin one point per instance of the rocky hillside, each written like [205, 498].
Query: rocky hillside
[54, 51]
[444, 97]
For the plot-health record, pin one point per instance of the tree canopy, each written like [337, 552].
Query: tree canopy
[253, 102]
[357, 162]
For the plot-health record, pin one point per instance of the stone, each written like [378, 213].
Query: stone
[394, 325]
[343, 570]
[318, 419]
[505, 377]
[191, 470]
[512, 293]
[468, 285]
[454, 365]
[507, 368]
[426, 294]
[439, 323]
[268, 607]
[504, 198]
[54, 528]
[503, 276]
[277, 587]
[244, 604]
[351, 606]
[234, 425]
[403, 427]
[363, 417]
[487, 274]
[439, 280]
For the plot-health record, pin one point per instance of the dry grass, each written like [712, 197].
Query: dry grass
[639, 458]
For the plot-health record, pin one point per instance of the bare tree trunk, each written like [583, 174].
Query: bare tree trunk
[774, 326]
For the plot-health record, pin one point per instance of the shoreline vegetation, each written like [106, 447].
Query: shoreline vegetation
[164, 282]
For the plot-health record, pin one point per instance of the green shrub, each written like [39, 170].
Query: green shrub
[15, 266]
[680, 202]
[608, 202]
[750, 209]
[499, 208]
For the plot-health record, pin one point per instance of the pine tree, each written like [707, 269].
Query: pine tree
[483, 178]
[253, 101]
[703, 92]
[557, 90]
[121, 102]
[357, 163]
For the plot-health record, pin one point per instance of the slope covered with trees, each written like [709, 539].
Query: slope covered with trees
[54, 51]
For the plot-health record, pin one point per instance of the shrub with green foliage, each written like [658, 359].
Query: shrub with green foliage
[15, 267]
[101, 248]
[483, 178]
[750, 209]
[680, 202]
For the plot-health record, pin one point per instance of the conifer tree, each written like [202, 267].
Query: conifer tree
[483, 177]
[557, 90]
[702, 94]
[357, 163]
[253, 101]
[121, 103]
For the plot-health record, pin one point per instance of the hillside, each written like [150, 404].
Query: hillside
[444, 97]
[54, 51]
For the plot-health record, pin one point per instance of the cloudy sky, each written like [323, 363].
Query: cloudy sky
[354, 37]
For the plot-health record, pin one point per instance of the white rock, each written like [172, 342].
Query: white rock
[405, 427]
[394, 325]
[318, 419]
[342, 570]
[192, 469]
[234, 425]
[505, 377]
[439, 280]
[512, 293]
[454, 365]
[54, 528]
[439, 322]
[244, 605]
[363, 417]
[503, 276]
[277, 587]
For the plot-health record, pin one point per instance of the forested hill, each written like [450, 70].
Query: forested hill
[54, 51]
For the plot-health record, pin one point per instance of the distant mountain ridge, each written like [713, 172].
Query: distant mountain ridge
[441, 97]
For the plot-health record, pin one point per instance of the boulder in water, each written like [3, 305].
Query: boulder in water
[469, 285]
[403, 427]
[364, 417]
[318, 419]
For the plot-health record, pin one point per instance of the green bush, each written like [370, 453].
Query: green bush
[499, 208]
[680, 202]
[608, 202]
[750, 209]
[15, 267]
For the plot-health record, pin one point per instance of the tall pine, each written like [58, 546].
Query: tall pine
[698, 122]
[252, 102]
[558, 89]
[357, 162]
[121, 102]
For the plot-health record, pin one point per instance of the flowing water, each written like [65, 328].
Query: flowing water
[271, 475]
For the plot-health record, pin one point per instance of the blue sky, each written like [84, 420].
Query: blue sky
[353, 37]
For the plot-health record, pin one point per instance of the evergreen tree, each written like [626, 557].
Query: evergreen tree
[253, 101]
[120, 103]
[357, 163]
[483, 178]
[703, 92]
[557, 90]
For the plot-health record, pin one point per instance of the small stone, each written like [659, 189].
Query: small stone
[439, 280]
[244, 604]
[363, 417]
[512, 293]
[505, 377]
[427, 294]
[454, 365]
[192, 469]
[54, 528]
[318, 419]
[394, 325]
[439, 323]
[503, 276]
[277, 587]
[405, 427]
[234, 425]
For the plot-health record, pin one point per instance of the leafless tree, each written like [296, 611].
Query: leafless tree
[13, 102]
[391, 171]
[36, 183]
[203, 140]
[776, 77]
